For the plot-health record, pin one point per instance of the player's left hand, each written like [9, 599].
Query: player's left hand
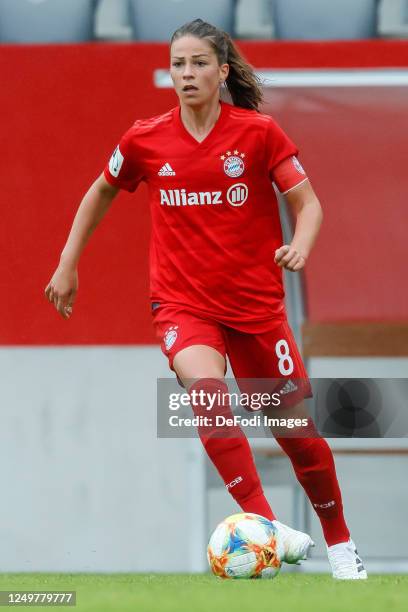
[289, 258]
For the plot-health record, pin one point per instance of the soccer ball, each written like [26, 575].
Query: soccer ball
[245, 545]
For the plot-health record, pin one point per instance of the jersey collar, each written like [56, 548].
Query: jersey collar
[187, 137]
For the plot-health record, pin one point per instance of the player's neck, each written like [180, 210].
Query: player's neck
[200, 121]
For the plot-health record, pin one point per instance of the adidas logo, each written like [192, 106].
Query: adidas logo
[288, 388]
[166, 170]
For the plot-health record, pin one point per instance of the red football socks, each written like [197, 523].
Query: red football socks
[228, 448]
[229, 451]
[314, 467]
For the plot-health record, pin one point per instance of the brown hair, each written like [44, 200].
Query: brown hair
[242, 83]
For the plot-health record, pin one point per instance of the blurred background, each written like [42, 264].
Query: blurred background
[87, 485]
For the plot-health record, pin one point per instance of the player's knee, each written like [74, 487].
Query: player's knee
[309, 450]
[198, 363]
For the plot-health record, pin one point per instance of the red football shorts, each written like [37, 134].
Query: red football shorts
[268, 355]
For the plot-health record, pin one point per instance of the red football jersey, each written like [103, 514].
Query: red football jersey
[215, 219]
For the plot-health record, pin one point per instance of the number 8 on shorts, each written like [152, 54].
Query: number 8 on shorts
[285, 363]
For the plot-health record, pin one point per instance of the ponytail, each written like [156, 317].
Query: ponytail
[242, 83]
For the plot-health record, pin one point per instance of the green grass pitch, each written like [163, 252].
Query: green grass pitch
[205, 593]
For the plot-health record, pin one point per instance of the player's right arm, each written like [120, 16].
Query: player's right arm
[63, 286]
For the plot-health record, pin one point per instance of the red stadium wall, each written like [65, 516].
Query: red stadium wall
[63, 109]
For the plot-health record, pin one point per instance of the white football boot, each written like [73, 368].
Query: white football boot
[296, 543]
[345, 561]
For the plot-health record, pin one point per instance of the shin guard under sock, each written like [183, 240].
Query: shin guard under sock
[228, 448]
[314, 467]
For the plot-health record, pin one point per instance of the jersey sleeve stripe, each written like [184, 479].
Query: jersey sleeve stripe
[294, 186]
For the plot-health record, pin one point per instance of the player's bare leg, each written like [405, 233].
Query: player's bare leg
[198, 361]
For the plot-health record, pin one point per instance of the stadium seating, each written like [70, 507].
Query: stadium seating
[322, 20]
[158, 19]
[112, 20]
[36, 21]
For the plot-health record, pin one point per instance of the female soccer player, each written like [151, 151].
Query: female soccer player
[216, 262]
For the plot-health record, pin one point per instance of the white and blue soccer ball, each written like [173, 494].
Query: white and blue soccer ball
[245, 545]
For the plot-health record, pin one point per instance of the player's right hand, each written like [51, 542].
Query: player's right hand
[62, 289]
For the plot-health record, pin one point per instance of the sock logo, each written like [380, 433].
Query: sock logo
[327, 505]
[234, 482]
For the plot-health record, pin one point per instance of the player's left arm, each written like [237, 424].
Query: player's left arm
[291, 180]
[308, 218]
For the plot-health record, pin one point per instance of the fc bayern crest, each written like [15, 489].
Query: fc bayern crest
[298, 165]
[170, 337]
[234, 165]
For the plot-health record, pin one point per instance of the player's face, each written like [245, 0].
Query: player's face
[195, 71]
